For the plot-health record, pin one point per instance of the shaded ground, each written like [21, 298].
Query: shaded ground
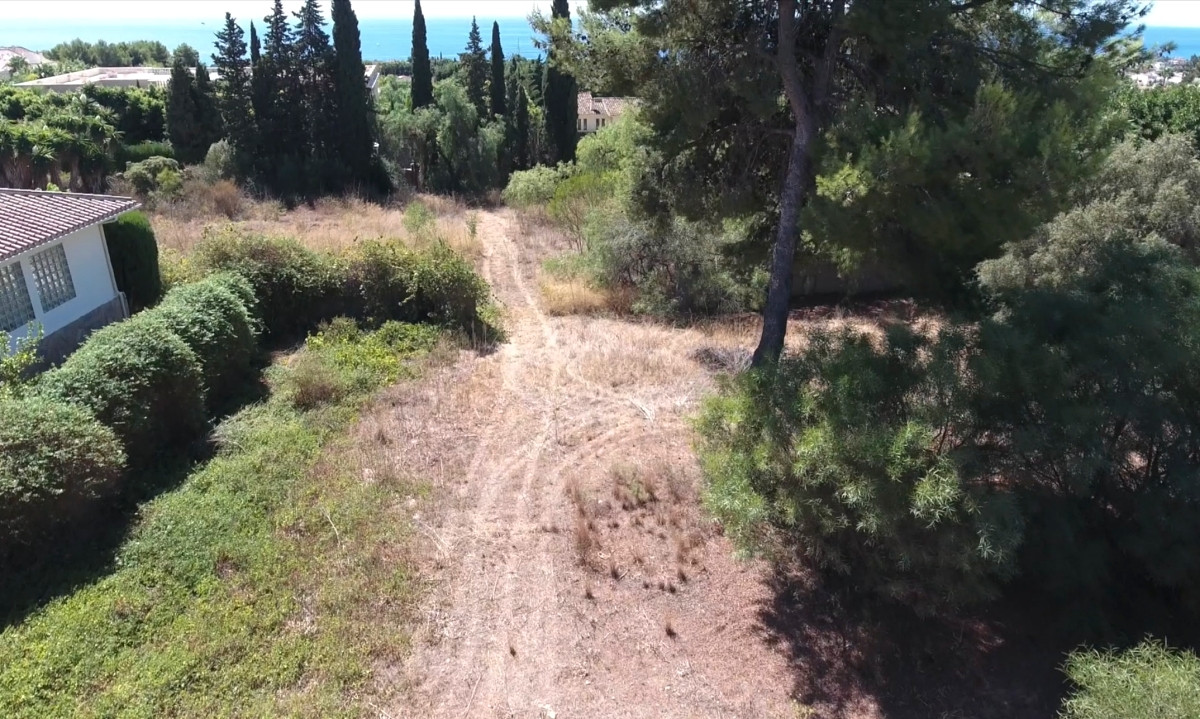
[573, 574]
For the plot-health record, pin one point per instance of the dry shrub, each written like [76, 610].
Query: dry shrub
[225, 198]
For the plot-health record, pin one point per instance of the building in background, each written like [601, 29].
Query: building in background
[144, 77]
[596, 113]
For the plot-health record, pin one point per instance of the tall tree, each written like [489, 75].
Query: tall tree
[561, 91]
[255, 47]
[262, 80]
[497, 88]
[475, 70]
[521, 146]
[186, 53]
[182, 127]
[208, 113]
[233, 88]
[355, 136]
[790, 88]
[314, 63]
[422, 72]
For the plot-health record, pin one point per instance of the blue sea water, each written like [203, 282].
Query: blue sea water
[1186, 39]
[382, 39]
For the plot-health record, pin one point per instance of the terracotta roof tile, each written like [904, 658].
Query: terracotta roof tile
[29, 218]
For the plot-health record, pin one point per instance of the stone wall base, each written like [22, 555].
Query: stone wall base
[55, 347]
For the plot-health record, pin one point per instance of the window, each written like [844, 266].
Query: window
[52, 277]
[585, 124]
[15, 308]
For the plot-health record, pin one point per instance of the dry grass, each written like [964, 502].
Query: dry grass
[326, 224]
[575, 296]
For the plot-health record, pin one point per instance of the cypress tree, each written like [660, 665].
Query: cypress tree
[260, 99]
[255, 47]
[283, 131]
[208, 114]
[497, 88]
[561, 97]
[182, 128]
[313, 61]
[422, 72]
[354, 136]
[233, 89]
[474, 64]
[521, 147]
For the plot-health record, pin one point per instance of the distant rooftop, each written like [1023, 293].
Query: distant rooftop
[590, 105]
[133, 77]
[30, 218]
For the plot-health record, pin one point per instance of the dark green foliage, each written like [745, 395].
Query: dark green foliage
[139, 379]
[1149, 681]
[355, 135]
[212, 318]
[496, 86]
[520, 147]
[55, 458]
[133, 253]
[188, 55]
[1056, 438]
[105, 54]
[233, 89]
[182, 122]
[296, 287]
[211, 127]
[140, 114]
[474, 66]
[562, 113]
[422, 73]
[127, 154]
[313, 58]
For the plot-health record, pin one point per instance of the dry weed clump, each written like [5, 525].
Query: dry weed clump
[576, 296]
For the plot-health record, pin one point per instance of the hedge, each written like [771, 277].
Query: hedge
[54, 459]
[213, 320]
[134, 256]
[140, 379]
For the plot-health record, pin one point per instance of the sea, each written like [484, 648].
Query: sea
[382, 39]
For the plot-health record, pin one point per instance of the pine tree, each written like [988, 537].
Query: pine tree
[182, 127]
[521, 147]
[261, 79]
[283, 128]
[354, 128]
[233, 89]
[561, 97]
[497, 88]
[208, 114]
[422, 72]
[475, 70]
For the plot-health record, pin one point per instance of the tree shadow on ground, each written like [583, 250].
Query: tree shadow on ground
[855, 660]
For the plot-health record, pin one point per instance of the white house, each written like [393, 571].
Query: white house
[145, 77]
[596, 113]
[54, 266]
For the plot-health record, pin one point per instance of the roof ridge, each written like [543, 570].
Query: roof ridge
[88, 195]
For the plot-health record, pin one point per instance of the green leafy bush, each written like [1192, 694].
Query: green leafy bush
[211, 317]
[374, 355]
[535, 186]
[17, 360]
[220, 162]
[55, 458]
[127, 154]
[1149, 681]
[141, 380]
[133, 252]
[296, 287]
[159, 176]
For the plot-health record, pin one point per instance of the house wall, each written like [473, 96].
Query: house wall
[96, 293]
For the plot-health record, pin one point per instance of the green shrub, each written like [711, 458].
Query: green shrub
[534, 187]
[127, 154]
[844, 456]
[134, 256]
[154, 175]
[141, 380]
[374, 356]
[1149, 681]
[296, 287]
[418, 218]
[435, 284]
[211, 317]
[17, 360]
[55, 458]
[220, 162]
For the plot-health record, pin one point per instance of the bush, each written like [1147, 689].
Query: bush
[128, 154]
[1149, 681]
[375, 357]
[296, 287]
[436, 285]
[535, 186]
[133, 252]
[55, 458]
[154, 175]
[220, 162]
[141, 380]
[212, 318]
[845, 456]
[17, 360]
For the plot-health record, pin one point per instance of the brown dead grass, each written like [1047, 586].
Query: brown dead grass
[576, 296]
[328, 224]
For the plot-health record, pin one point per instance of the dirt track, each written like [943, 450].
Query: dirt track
[573, 574]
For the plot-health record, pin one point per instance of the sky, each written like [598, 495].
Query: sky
[1172, 13]
[133, 11]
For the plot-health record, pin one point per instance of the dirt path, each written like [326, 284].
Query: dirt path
[573, 574]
